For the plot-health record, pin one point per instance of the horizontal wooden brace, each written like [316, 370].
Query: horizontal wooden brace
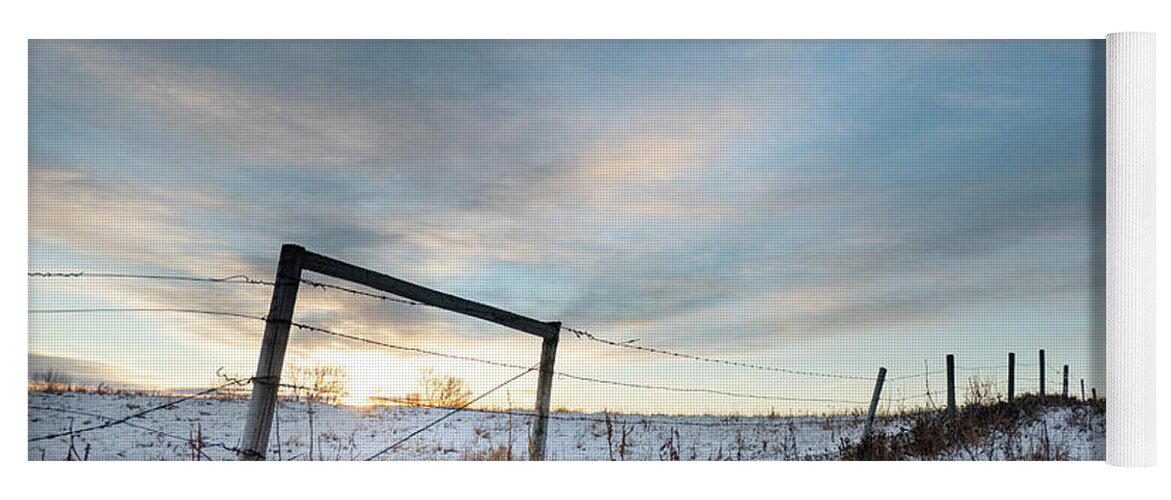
[332, 267]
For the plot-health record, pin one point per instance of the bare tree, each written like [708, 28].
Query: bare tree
[441, 390]
[319, 384]
[54, 381]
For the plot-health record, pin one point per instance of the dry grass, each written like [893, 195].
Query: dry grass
[973, 430]
[499, 453]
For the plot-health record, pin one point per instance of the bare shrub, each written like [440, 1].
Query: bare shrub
[981, 392]
[440, 390]
[669, 451]
[1043, 448]
[624, 436]
[788, 447]
[319, 384]
[52, 381]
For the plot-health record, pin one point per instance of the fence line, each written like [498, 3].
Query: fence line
[127, 418]
[707, 391]
[562, 374]
[203, 443]
[579, 333]
[146, 309]
[354, 291]
[582, 334]
[554, 416]
[435, 422]
[236, 278]
[916, 375]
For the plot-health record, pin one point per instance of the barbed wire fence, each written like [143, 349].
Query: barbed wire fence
[923, 400]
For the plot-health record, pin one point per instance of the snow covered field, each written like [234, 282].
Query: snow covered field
[344, 433]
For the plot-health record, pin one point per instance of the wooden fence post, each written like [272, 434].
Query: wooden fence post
[1083, 389]
[1042, 372]
[874, 403]
[1011, 376]
[951, 384]
[1065, 381]
[544, 395]
[272, 354]
[1094, 393]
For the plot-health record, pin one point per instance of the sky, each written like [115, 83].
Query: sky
[824, 206]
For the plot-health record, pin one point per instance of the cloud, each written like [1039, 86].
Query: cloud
[130, 223]
[79, 371]
[662, 187]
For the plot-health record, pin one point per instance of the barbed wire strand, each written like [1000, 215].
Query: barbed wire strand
[319, 284]
[418, 350]
[520, 413]
[127, 418]
[725, 420]
[579, 333]
[236, 278]
[453, 412]
[907, 398]
[354, 291]
[146, 309]
[582, 334]
[914, 375]
[140, 427]
[704, 390]
[369, 341]
[568, 375]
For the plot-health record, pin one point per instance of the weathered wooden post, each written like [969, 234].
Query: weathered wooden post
[874, 403]
[1011, 376]
[1094, 393]
[1065, 381]
[1042, 372]
[951, 384]
[1083, 389]
[544, 394]
[295, 259]
[272, 354]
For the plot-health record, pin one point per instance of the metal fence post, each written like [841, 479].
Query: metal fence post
[951, 384]
[1041, 370]
[1011, 376]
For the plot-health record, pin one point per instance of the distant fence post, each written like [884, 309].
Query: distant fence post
[1083, 389]
[874, 403]
[1094, 393]
[951, 384]
[1011, 376]
[544, 395]
[1042, 372]
[272, 354]
[1065, 381]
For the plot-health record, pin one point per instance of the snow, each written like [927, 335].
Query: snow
[1058, 435]
[347, 433]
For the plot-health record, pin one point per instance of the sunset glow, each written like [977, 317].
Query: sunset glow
[827, 207]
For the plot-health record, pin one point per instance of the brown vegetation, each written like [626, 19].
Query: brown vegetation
[445, 391]
[977, 431]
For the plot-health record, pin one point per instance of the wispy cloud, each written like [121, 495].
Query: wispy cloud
[676, 190]
[130, 223]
